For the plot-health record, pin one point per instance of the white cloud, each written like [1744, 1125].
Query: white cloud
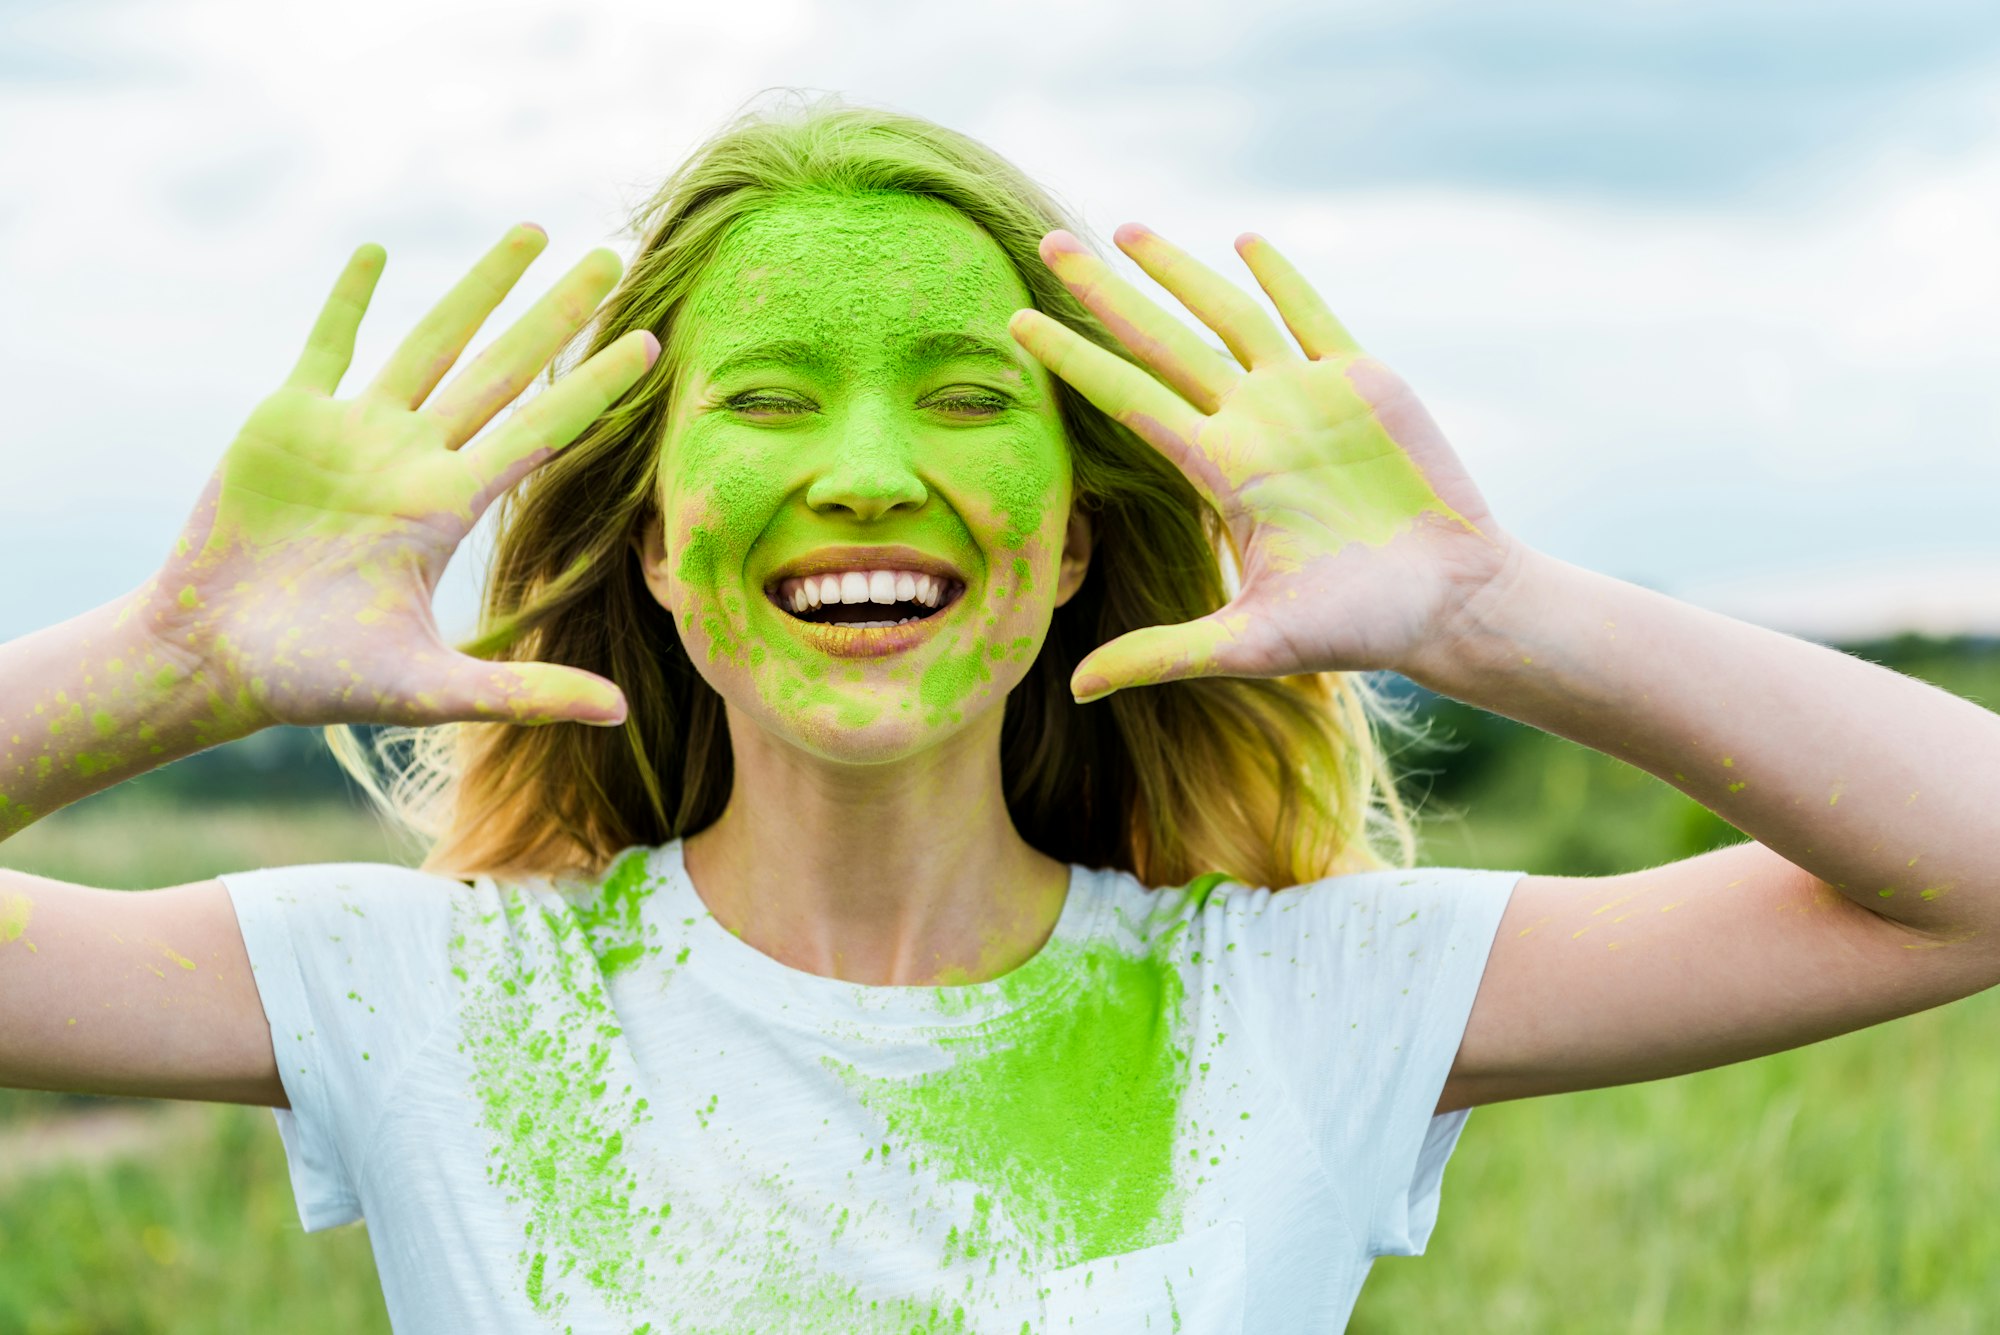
[1670, 393]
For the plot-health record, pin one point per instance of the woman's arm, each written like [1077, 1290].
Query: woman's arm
[1365, 545]
[99, 699]
[299, 592]
[1873, 890]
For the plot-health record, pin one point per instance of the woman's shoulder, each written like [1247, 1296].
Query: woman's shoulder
[1415, 899]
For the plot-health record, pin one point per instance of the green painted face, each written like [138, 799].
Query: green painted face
[850, 383]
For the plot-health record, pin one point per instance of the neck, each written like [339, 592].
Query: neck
[906, 872]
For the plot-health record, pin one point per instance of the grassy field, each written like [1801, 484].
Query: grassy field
[1846, 1187]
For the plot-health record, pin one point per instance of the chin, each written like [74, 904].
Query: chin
[863, 726]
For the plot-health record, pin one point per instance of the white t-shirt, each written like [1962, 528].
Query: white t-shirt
[588, 1108]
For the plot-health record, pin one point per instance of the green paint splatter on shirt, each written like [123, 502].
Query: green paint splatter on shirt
[611, 917]
[1067, 1112]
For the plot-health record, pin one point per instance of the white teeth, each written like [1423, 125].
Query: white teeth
[803, 593]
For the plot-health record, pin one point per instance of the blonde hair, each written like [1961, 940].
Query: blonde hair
[1271, 782]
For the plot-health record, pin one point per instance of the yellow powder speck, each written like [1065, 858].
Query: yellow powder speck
[181, 960]
[15, 910]
[1729, 762]
[1738, 787]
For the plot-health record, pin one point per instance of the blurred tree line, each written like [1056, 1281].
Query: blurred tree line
[1542, 803]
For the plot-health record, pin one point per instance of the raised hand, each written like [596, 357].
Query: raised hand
[300, 589]
[1360, 535]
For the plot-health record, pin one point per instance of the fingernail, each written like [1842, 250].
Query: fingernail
[1060, 242]
[652, 347]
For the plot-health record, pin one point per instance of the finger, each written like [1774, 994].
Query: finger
[1316, 328]
[1155, 654]
[499, 374]
[422, 358]
[475, 691]
[330, 346]
[1123, 391]
[1196, 371]
[1218, 303]
[558, 415]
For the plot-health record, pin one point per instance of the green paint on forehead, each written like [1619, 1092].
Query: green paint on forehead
[1067, 1112]
[834, 279]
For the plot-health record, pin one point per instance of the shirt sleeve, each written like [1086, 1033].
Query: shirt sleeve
[350, 961]
[1385, 966]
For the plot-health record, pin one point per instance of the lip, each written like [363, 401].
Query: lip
[825, 560]
[852, 641]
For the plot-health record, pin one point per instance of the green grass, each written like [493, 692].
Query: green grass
[1845, 1187]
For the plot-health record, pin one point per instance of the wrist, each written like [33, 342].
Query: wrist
[1492, 629]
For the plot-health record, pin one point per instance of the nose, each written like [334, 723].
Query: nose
[870, 475]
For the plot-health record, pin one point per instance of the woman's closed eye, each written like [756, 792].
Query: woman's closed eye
[961, 401]
[764, 402]
[966, 401]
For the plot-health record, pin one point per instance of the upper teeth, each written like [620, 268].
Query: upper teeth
[861, 586]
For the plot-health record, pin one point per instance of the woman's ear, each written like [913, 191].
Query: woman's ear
[1075, 555]
[649, 543]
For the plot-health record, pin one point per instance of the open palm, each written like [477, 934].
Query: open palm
[302, 583]
[1359, 532]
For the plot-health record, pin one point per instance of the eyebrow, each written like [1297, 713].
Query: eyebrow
[925, 351]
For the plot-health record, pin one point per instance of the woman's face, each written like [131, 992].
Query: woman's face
[865, 489]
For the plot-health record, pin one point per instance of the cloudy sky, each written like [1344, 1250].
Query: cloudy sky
[1704, 293]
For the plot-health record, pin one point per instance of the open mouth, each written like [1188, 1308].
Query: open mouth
[865, 599]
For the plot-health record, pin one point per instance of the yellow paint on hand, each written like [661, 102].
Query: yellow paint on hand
[177, 958]
[1729, 762]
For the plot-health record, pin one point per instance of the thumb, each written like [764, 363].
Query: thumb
[1149, 656]
[477, 691]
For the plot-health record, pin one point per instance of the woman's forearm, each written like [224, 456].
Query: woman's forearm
[1880, 785]
[98, 699]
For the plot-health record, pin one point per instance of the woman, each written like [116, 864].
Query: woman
[827, 982]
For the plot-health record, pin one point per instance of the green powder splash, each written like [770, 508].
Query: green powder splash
[1067, 1112]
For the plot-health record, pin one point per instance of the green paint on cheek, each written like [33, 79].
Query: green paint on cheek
[1066, 1112]
[15, 910]
[948, 681]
